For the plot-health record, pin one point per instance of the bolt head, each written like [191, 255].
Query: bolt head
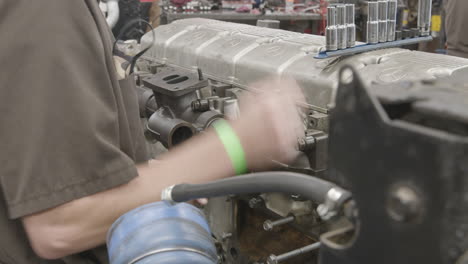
[404, 204]
[255, 202]
[272, 259]
[225, 236]
[267, 225]
[322, 210]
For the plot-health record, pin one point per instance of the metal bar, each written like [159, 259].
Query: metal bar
[370, 47]
[268, 225]
[272, 259]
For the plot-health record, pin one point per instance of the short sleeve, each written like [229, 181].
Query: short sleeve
[67, 127]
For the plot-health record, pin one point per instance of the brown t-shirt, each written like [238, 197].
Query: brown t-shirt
[456, 23]
[68, 127]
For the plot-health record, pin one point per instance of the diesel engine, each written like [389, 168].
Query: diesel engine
[388, 129]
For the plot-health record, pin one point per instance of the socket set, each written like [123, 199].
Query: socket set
[341, 29]
[381, 28]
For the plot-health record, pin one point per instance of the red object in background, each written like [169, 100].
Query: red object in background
[180, 2]
[146, 1]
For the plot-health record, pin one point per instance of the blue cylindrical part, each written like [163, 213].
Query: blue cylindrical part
[161, 233]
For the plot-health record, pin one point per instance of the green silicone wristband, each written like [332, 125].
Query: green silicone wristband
[232, 145]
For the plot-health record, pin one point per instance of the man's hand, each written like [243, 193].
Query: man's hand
[270, 124]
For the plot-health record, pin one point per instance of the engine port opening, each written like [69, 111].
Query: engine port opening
[180, 134]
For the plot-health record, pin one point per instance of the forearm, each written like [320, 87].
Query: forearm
[82, 224]
[265, 133]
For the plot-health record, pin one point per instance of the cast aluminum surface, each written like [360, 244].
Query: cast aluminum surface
[242, 54]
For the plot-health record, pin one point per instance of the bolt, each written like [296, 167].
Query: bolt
[404, 204]
[200, 105]
[226, 236]
[322, 210]
[273, 259]
[268, 225]
[298, 197]
[350, 210]
[306, 143]
[255, 202]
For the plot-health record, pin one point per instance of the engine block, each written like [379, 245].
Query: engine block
[222, 60]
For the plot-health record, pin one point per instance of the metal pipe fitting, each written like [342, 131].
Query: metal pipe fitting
[169, 131]
[373, 23]
[383, 17]
[333, 201]
[331, 31]
[341, 24]
[424, 17]
[391, 22]
[350, 26]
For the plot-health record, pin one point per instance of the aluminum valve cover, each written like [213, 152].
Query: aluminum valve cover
[242, 54]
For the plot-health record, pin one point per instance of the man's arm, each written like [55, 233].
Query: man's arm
[265, 133]
[82, 224]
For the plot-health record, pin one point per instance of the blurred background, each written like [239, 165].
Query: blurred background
[304, 16]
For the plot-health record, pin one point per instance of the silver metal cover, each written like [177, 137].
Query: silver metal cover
[241, 55]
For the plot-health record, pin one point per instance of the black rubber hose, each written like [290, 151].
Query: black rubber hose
[307, 186]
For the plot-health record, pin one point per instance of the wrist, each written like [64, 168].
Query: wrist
[233, 145]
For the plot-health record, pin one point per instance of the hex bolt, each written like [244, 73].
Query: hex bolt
[272, 259]
[256, 202]
[268, 225]
[306, 143]
[404, 204]
[200, 105]
[322, 211]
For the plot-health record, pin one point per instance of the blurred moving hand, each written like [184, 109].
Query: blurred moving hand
[268, 130]
[270, 124]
